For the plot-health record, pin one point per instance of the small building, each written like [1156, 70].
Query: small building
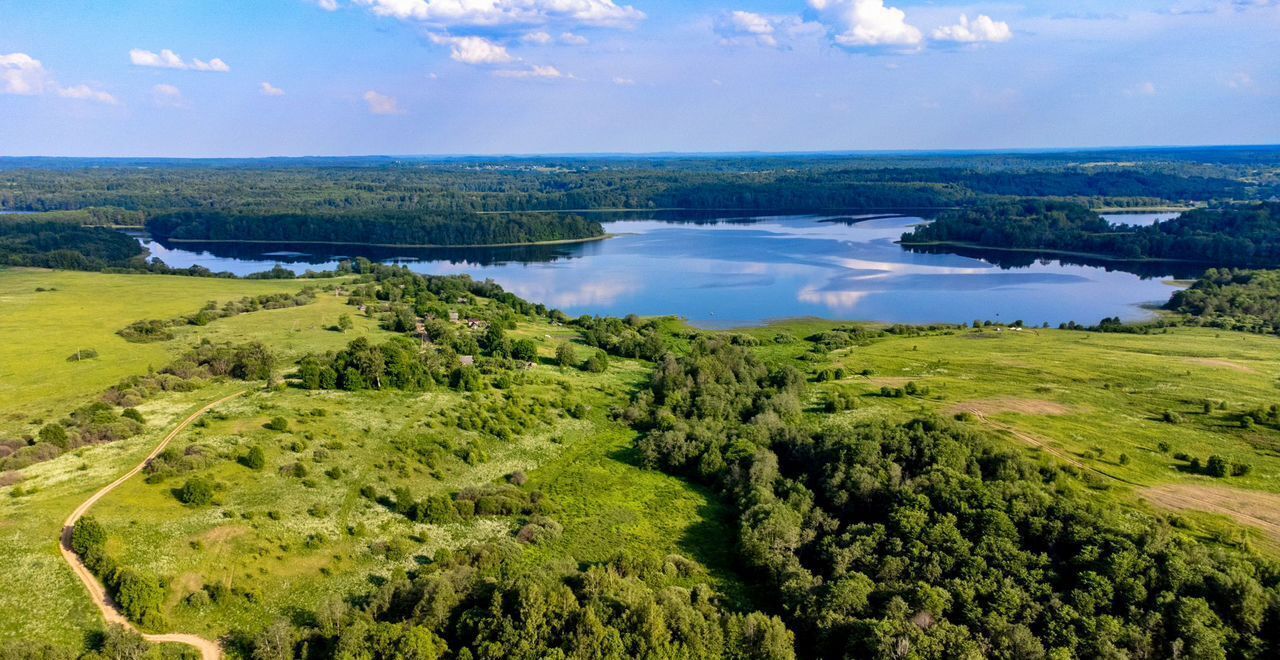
[453, 317]
[467, 360]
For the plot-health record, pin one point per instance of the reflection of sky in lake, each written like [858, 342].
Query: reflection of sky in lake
[1138, 219]
[744, 273]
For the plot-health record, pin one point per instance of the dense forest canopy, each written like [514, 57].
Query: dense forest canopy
[1237, 299]
[51, 244]
[374, 227]
[1225, 236]
[927, 540]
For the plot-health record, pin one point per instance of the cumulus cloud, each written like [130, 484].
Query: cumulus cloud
[474, 50]
[539, 38]
[168, 96]
[270, 90]
[572, 39]
[24, 75]
[600, 13]
[868, 24]
[87, 93]
[327, 5]
[1147, 88]
[381, 104]
[535, 71]
[744, 27]
[981, 29]
[167, 59]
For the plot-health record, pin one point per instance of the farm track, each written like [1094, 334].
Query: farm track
[209, 650]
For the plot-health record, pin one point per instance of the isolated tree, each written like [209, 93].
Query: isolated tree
[345, 323]
[565, 355]
[525, 350]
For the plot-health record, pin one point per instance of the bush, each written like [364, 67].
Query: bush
[82, 355]
[597, 363]
[255, 459]
[55, 435]
[196, 491]
[1216, 467]
[1171, 417]
[277, 424]
[132, 413]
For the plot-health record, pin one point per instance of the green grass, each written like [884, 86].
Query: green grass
[1088, 397]
[40, 598]
[39, 330]
[298, 543]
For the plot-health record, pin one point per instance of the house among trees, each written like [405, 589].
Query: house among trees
[453, 317]
[467, 360]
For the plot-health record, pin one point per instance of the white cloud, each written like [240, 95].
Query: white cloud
[539, 38]
[168, 96]
[1147, 88]
[22, 74]
[87, 93]
[535, 71]
[572, 39]
[623, 82]
[270, 90]
[167, 59]
[868, 24]
[1240, 80]
[327, 5]
[474, 50]
[381, 104]
[981, 29]
[600, 13]
[744, 27]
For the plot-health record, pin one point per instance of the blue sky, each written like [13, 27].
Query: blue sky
[298, 77]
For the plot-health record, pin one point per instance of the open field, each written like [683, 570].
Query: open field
[75, 311]
[1097, 401]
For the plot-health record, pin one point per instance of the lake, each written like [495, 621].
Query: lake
[740, 272]
[1138, 219]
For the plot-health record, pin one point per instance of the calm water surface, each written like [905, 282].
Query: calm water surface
[1138, 219]
[735, 273]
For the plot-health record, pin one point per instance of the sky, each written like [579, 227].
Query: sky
[221, 78]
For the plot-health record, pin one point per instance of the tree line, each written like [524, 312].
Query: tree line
[1224, 236]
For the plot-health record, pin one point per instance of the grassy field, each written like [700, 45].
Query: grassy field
[1097, 401]
[40, 329]
[292, 543]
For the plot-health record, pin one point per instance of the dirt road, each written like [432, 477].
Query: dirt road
[209, 650]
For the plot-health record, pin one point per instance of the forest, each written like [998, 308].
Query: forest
[69, 246]
[1237, 235]
[1245, 300]
[373, 227]
[924, 539]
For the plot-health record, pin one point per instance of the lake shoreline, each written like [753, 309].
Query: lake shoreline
[1048, 251]
[423, 246]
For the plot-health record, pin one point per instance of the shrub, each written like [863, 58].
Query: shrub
[278, 424]
[255, 459]
[597, 363]
[83, 354]
[196, 491]
[55, 435]
[1171, 417]
[132, 413]
[1216, 467]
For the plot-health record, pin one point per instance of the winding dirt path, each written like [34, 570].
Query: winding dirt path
[209, 650]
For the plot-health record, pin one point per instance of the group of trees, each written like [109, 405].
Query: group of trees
[483, 603]
[1247, 300]
[67, 246]
[926, 539]
[375, 227]
[1226, 236]
[138, 595]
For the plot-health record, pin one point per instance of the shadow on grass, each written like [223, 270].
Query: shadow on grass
[711, 541]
